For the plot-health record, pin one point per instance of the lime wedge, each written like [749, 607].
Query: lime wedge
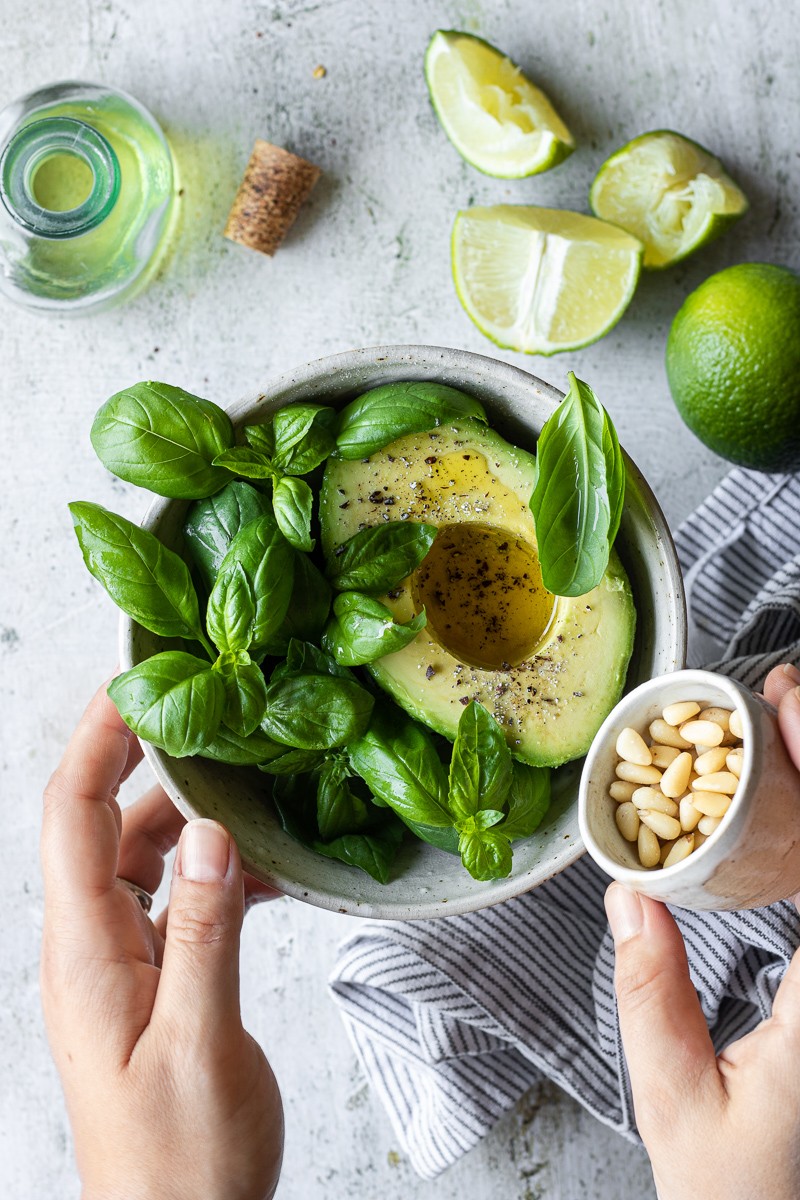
[495, 117]
[669, 192]
[542, 280]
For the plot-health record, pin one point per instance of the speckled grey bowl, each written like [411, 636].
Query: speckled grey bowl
[427, 882]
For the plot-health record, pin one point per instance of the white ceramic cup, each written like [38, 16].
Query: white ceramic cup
[753, 858]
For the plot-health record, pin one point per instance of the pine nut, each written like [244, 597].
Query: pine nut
[633, 773]
[720, 716]
[713, 760]
[736, 725]
[681, 849]
[707, 732]
[649, 849]
[632, 747]
[676, 714]
[734, 762]
[717, 781]
[655, 800]
[665, 849]
[699, 838]
[621, 791]
[711, 804]
[660, 731]
[661, 824]
[675, 779]
[627, 819]
[688, 814]
[663, 755]
[709, 825]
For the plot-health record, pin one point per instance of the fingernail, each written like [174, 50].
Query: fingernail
[797, 692]
[791, 672]
[624, 912]
[204, 852]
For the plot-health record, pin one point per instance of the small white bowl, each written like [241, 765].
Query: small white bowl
[753, 857]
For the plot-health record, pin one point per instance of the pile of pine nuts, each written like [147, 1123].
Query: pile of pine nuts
[672, 794]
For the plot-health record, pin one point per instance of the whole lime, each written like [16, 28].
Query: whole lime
[733, 365]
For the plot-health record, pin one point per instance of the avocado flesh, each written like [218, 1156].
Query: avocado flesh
[551, 703]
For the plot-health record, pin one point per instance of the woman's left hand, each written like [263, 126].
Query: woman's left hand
[168, 1096]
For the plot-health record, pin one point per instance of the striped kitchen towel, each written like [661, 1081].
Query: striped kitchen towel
[454, 1019]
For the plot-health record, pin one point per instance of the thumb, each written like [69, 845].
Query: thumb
[667, 1045]
[789, 722]
[199, 985]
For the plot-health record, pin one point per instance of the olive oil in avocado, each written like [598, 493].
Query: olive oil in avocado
[483, 594]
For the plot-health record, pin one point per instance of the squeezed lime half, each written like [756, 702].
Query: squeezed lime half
[670, 193]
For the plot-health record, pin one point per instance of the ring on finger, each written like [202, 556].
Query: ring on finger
[144, 898]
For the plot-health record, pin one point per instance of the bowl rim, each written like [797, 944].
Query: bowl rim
[291, 385]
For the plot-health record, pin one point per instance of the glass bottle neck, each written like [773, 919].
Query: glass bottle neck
[59, 177]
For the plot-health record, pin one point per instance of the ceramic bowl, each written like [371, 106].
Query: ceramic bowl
[753, 858]
[427, 882]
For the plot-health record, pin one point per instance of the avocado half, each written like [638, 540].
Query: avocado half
[552, 702]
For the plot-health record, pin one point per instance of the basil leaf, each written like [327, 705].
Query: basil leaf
[292, 762]
[371, 852]
[481, 765]
[163, 438]
[251, 751]
[242, 461]
[485, 853]
[303, 658]
[339, 810]
[213, 523]
[308, 608]
[386, 413]
[245, 692]
[488, 817]
[304, 437]
[398, 761]
[579, 492]
[442, 839]
[291, 502]
[296, 804]
[316, 712]
[528, 801]
[363, 629]
[143, 578]
[251, 594]
[376, 559]
[261, 438]
[173, 700]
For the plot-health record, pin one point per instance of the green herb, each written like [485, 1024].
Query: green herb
[308, 609]
[363, 629]
[481, 764]
[303, 658]
[240, 460]
[245, 692]
[339, 810]
[173, 700]
[292, 501]
[304, 437]
[293, 762]
[528, 800]
[316, 712]
[163, 438]
[398, 761]
[251, 594]
[213, 523]
[579, 492]
[372, 852]
[251, 751]
[389, 412]
[143, 578]
[376, 559]
[485, 853]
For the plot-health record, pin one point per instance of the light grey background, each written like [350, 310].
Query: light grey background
[368, 262]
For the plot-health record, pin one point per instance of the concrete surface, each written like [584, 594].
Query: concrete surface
[367, 262]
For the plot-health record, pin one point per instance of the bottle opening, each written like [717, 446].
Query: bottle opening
[483, 595]
[62, 182]
[59, 177]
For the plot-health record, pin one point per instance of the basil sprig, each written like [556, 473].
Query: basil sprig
[579, 492]
[163, 438]
[379, 557]
[386, 413]
[362, 630]
[173, 700]
[252, 590]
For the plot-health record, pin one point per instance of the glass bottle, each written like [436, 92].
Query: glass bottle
[86, 184]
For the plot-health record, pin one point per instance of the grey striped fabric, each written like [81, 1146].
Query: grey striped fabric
[454, 1019]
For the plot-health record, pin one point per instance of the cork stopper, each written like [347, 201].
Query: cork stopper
[275, 185]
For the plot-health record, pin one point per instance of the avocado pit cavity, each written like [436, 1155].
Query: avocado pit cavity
[482, 590]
